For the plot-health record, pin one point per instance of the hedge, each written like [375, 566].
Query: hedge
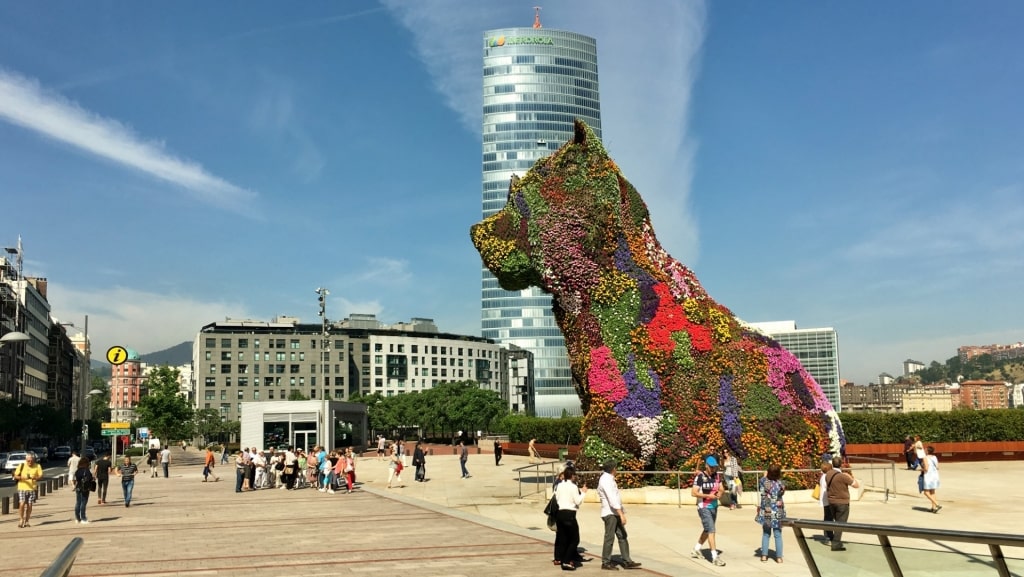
[946, 427]
[520, 429]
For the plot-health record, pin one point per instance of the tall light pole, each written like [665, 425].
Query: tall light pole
[325, 346]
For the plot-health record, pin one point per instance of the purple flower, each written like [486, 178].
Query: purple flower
[729, 408]
[524, 209]
[639, 400]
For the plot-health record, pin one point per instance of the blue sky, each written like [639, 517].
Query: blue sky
[855, 166]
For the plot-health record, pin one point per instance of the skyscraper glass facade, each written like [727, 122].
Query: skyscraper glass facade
[535, 82]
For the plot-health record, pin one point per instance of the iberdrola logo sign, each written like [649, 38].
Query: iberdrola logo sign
[495, 41]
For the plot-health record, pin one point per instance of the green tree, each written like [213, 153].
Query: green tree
[167, 414]
[296, 395]
[99, 405]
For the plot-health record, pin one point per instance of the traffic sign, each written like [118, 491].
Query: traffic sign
[117, 425]
[125, 440]
[142, 432]
[115, 432]
[117, 355]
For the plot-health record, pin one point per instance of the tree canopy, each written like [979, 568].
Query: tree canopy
[167, 414]
[444, 409]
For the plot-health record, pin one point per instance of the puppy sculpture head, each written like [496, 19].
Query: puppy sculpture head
[665, 374]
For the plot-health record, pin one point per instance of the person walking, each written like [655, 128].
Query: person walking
[395, 467]
[127, 472]
[165, 460]
[497, 453]
[613, 515]
[400, 451]
[83, 484]
[209, 464]
[224, 455]
[733, 482]
[919, 454]
[838, 486]
[707, 488]
[154, 458]
[908, 452]
[350, 469]
[930, 478]
[463, 457]
[73, 461]
[771, 510]
[826, 466]
[532, 450]
[380, 447]
[569, 497]
[102, 473]
[419, 461]
[26, 475]
[241, 470]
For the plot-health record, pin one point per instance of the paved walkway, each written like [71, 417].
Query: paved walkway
[445, 527]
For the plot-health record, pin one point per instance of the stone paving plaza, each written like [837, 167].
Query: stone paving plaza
[445, 527]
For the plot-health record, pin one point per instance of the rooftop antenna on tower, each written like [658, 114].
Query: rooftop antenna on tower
[536, 17]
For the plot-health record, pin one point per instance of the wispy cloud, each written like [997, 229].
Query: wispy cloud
[384, 270]
[983, 224]
[23, 102]
[645, 85]
[346, 307]
[301, 24]
[142, 320]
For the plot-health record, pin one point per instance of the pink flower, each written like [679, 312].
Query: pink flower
[604, 375]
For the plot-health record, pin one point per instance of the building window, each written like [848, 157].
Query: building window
[225, 343]
[280, 343]
[224, 408]
[243, 343]
[280, 356]
[243, 369]
[339, 394]
[227, 381]
[339, 345]
[270, 394]
[293, 369]
[223, 395]
[401, 348]
[209, 356]
[341, 355]
[255, 343]
[444, 350]
[302, 381]
[226, 369]
[365, 347]
[433, 350]
[378, 370]
[209, 395]
[211, 343]
[294, 344]
[378, 359]
[243, 381]
[302, 355]
[255, 395]
[378, 347]
[211, 381]
[415, 349]
[225, 355]
[213, 369]
[339, 381]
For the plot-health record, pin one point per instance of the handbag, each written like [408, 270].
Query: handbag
[920, 483]
[552, 512]
[92, 485]
[759, 516]
[816, 492]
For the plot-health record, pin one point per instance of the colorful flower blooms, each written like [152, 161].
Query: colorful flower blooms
[668, 375]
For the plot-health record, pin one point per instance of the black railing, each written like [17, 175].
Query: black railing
[918, 548]
[61, 566]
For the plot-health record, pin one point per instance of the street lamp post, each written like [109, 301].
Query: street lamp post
[325, 346]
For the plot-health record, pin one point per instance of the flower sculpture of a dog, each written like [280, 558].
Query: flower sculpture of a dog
[665, 374]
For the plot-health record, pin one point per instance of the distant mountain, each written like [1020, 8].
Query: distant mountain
[180, 354]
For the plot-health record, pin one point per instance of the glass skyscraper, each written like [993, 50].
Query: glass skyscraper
[536, 82]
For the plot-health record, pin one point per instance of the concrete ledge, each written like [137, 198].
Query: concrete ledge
[669, 496]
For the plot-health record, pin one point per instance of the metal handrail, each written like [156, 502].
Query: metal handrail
[61, 566]
[550, 477]
[994, 541]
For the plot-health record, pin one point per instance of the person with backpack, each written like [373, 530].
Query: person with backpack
[26, 475]
[84, 483]
[707, 488]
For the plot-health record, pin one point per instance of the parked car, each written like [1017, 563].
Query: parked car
[3, 460]
[42, 453]
[62, 452]
[14, 459]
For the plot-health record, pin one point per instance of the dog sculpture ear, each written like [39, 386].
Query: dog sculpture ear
[579, 132]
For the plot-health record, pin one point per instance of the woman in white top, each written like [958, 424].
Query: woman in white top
[569, 497]
[930, 478]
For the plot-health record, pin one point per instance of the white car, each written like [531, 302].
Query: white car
[16, 458]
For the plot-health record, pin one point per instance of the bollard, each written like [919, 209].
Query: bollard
[5, 506]
[60, 481]
[17, 501]
[42, 488]
[430, 451]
